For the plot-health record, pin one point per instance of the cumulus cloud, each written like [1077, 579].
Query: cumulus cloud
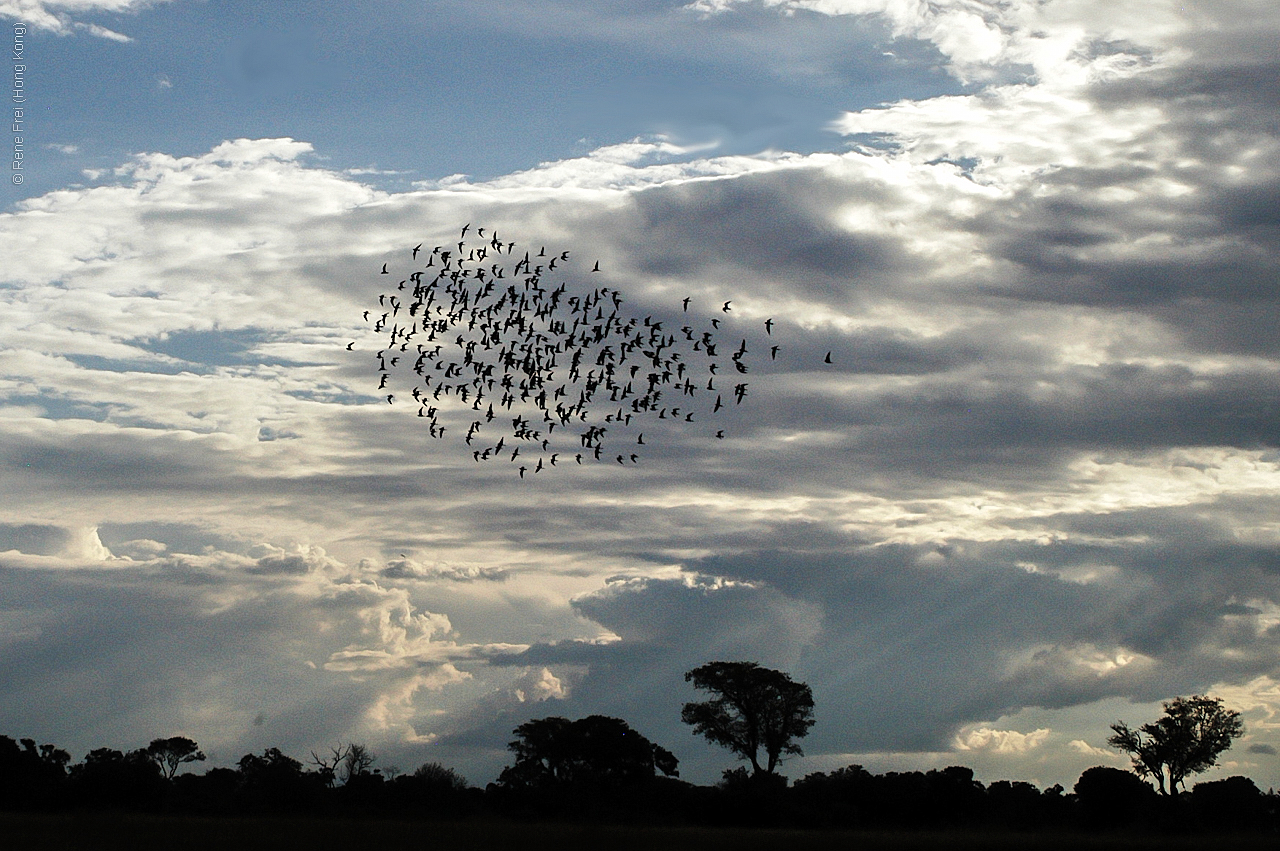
[1000, 741]
[1083, 747]
[539, 685]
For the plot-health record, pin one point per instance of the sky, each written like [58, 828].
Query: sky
[1033, 494]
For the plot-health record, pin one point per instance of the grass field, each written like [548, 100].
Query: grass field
[99, 831]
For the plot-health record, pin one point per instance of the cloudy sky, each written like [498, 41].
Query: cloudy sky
[1034, 493]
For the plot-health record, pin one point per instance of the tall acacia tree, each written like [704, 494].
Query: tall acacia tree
[753, 709]
[1187, 740]
[169, 754]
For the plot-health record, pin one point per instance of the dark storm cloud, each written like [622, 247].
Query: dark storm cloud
[105, 648]
[1214, 243]
[905, 644]
[111, 461]
[690, 228]
[668, 626]
[916, 640]
[898, 351]
[34, 539]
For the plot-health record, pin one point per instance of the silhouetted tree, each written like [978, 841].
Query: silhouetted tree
[952, 796]
[434, 776]
[754, 709]
[31, 775]
[111, 778]
[357, 763]
[345, 763]
[1109, 797]
[1234, 803]
[215, 792]
[274, 781]
[431, 790]
[595, 750]
[170, 754]
[835, 798]
[327, 766]
[1187, 740]
[1014, 804]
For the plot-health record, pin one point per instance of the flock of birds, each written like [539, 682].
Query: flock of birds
[545, 374]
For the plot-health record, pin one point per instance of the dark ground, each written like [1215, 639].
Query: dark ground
[104, 831]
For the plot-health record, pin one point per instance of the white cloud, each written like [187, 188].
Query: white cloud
[978, 37]
[394, 710]
[981, 738]
[625, 166]
[401, 637]
[1083, 747]
[538, 685]
[103, 32]
[57, 15]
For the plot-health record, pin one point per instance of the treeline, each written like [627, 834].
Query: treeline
[600, 783]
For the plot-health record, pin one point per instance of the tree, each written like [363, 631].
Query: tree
[273, 781]
[348, 762]
[31, 775]
[170, 754]
[1187, 740]
[754, 709]
[357, 763]
[1110, 797]
[110, 778]
[437, 778]
[597, 750]
[327, 766]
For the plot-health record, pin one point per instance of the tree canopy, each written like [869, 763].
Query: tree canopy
[1186, 740]
[596, 749]
[169, 754]
[753, 709]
